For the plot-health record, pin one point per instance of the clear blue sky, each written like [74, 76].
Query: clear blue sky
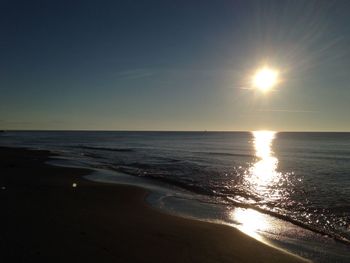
[173, 65]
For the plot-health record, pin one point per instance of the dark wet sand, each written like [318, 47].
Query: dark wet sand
[45, 219]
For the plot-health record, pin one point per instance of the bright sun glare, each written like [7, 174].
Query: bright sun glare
[265, 79]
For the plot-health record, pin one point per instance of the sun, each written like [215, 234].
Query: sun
[265, 79]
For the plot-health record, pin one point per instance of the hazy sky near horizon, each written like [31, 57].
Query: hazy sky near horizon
[173, 65]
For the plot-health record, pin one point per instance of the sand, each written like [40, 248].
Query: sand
[45, 219]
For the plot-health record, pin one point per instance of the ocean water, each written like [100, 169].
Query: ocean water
[295, 185]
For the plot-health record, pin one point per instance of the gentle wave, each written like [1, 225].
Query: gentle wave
[107, 149]
[226, 154]
[293, 221]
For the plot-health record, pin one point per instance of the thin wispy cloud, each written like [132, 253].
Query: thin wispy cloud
[135, 74]
[287, 110]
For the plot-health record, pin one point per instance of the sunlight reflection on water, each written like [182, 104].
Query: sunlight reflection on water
[260, 178]
[264, 173]
[250, 221]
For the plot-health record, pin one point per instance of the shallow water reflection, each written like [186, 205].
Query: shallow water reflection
[250, 221]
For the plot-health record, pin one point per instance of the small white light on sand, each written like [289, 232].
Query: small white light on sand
[74, 185]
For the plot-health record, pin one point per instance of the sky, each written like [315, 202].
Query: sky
[174, 65]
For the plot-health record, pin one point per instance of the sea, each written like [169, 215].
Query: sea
[290, 190]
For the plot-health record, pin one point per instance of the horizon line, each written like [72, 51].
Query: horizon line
[121, 130]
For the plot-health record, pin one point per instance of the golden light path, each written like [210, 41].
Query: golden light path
[262, 174]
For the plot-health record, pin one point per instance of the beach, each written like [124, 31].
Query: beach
[53, 214]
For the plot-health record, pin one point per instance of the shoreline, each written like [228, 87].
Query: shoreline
[48, 218]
